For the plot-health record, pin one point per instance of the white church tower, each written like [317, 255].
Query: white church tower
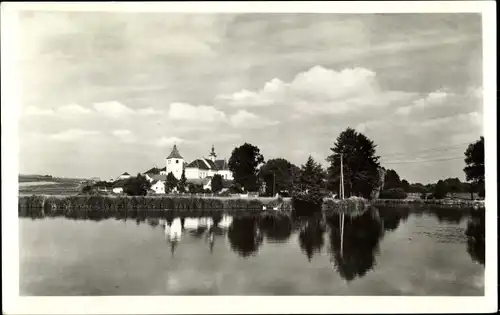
[175, 163]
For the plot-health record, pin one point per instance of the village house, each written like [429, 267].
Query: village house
[124, 176]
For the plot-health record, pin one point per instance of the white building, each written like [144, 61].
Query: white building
[208, 167]
[175, 163]
[157, 183]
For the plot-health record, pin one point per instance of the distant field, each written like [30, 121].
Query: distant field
[36, 184]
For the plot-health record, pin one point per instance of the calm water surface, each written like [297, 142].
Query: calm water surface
[383, 251]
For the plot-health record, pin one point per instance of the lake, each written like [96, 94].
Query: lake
[382, 251]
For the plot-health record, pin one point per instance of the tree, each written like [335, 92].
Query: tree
[391, 180]
[474, 169]
[310, 186]
[170, 182]
[454, 185]
[217, 183]
[361, 165]
[279, 175]
[182, 183]
[311, 176]
[243, 163]
[136, 186]
[405, 186]
[87, 189]
[440, 190]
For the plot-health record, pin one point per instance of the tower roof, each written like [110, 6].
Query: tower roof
[212, 153]
[175, 154]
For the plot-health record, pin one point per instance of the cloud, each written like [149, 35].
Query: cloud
[319, 90]
[74, 109]
[73, 134]
[166, 141]
[113, 109]
[124, 135]
[441, 103]
[201, 113]
[244, 119]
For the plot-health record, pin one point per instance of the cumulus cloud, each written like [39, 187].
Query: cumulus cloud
[112, 109]
[442, 103]
[201, 113]
[73, 134]
[245, 119]
[319, 90]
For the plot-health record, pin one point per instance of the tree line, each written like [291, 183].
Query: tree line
[363, 174]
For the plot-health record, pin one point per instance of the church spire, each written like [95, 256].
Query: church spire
[212, 154]
[175, 153]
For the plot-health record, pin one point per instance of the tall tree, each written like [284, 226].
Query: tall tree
[170, 182]
[279, 175]
[217, 183]
[312, 176]
[474, 169]
[182, 183]
[137, 186]
[391, 179]
[243, 163]
[361, 165]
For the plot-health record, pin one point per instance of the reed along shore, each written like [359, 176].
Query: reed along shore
[61, 204]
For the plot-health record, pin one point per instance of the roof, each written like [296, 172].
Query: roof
[163, 169]
[119, 183]
[198, 163]
[175, 153]
[153, 171]
[211, 163]
[158, 177]
[221, 165]
[154, 182]
[125, 174]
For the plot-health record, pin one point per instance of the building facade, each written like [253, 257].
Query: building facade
[199, 168]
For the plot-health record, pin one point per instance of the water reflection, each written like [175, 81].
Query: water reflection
[311, 238]
[476, 236]
[245, 235]
[392, 217]
[354, 243]
[277, 229]
[353, 239]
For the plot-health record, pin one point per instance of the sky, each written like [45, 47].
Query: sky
[108, 92]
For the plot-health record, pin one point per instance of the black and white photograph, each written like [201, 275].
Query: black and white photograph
[197, 151]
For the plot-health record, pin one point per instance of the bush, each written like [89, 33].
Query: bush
[393, 193]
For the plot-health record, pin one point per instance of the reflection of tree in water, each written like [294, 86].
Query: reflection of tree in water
[448, 215]
[361, 238]
[391, 217]
[244, 235]
[277, 228]
[475, 236]
[311, 237]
